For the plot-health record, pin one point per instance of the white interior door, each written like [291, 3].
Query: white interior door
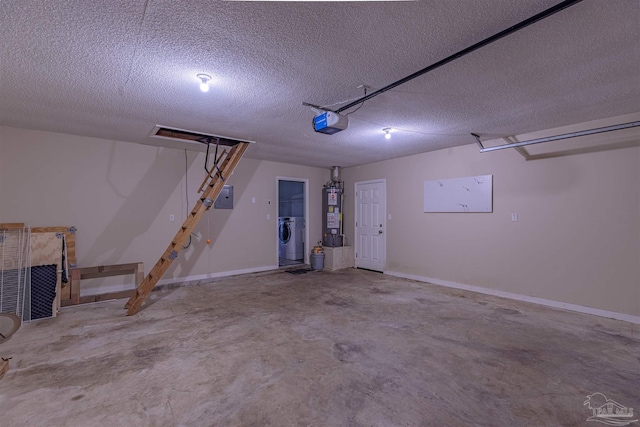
[371, 207]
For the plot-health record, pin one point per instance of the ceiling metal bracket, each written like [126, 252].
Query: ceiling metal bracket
[477, 137]
[621, 126]
[215, 157]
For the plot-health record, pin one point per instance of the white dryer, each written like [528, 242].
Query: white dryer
[292, 236]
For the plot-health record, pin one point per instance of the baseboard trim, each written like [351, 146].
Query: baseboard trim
[177, 280]
[218, 275]
[519, 297]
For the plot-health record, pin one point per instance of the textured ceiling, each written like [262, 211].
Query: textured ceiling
[116, 69]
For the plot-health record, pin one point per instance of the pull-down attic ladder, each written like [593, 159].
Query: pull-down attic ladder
[210, 188]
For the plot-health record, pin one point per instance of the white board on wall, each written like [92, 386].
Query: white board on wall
[468, 194]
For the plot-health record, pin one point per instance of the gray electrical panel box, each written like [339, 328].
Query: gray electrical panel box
[225, 198]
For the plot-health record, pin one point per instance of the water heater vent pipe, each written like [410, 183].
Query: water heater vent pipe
[335, 173]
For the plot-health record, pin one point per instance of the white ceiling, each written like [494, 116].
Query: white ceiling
[116, 69]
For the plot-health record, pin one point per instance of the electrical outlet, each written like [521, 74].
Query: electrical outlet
[514, 217]
[172, 217]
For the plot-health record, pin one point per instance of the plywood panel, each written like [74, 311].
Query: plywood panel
[70, 242]
[46, 249]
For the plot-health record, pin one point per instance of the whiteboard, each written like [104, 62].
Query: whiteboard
[468, 194]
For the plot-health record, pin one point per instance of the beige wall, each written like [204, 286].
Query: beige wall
[577, 239]
[120, 195]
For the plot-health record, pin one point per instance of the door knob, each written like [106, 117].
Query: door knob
[379, 231]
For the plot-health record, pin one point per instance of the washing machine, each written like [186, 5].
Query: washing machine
[291, 236]
[284, 235]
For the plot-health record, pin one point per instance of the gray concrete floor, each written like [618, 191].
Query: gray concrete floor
[349, 348]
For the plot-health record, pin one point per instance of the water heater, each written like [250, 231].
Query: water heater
[332, 201]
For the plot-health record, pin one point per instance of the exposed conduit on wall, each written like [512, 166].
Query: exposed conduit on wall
[484, 149]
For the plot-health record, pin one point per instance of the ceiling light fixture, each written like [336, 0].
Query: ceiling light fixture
[204, 82]
[387, 133]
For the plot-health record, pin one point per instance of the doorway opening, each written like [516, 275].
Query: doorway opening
[293, 211]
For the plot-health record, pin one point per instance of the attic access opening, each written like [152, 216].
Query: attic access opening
[183, 135]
